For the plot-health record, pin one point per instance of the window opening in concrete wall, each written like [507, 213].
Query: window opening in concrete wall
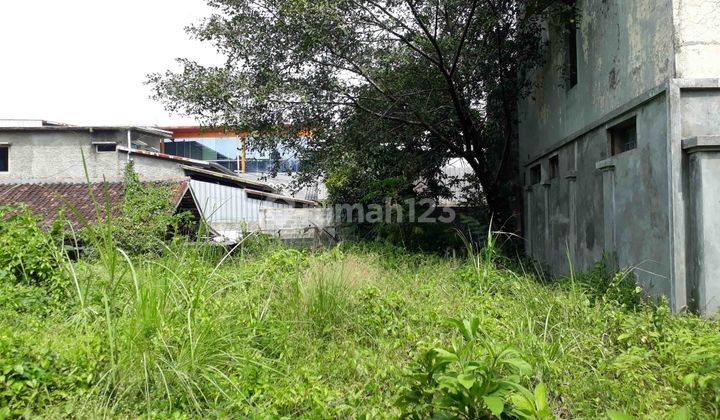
[105, 147]
[623, 137]
[571, 55]
[4, 159]
[554, 166]
[535, 174]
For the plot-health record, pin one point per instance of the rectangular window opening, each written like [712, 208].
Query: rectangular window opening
[105, 147]
[4, 159]
[571, 56]
[535, 174]
[554, 166]
[623, 137]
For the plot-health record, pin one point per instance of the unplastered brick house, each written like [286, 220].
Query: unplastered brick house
[620, 147]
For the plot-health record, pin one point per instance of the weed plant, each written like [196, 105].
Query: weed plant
[267, 331]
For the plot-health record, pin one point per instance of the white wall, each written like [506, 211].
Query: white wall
[697, 38]
[229, 209]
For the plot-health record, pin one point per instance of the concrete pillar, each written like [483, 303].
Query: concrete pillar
[546, 218]
[528, 220]
[572, 215]
[703, 210]
[607, 167]
[676, 189]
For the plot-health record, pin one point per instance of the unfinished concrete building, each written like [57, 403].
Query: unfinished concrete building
[620, 147]
[58, 159]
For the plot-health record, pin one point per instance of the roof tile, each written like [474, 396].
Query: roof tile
[46, 200]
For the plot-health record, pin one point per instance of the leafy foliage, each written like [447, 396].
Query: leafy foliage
[146, 218]
[28, 255]
[413, 83]
[35, 377]
[473, 379]
[621, 287]
[278, 332]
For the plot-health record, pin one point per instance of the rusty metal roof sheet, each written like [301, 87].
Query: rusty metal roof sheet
[242, 182]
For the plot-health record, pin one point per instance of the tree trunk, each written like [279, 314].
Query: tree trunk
[503, 193]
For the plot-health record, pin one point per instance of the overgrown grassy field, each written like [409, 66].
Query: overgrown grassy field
[347, 332]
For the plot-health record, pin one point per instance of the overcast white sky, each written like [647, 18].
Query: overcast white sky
[85, 61]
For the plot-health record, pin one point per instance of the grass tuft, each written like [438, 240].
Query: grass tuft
[269, 331]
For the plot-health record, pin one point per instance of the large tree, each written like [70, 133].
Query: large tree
[437, 77]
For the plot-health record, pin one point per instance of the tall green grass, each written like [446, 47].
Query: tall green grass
[269, 331]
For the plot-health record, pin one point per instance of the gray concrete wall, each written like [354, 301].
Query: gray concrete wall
[584, 211]
[295, 218]
[657, 60]
[640, 202]
[297, 223]
[704, 227]
[625, 48]
[150, 168]
[698, 125]
[57, 156]
[700, 112]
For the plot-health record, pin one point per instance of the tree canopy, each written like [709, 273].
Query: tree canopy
[387, 88]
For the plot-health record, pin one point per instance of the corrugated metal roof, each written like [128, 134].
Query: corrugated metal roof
[282, 198]
[233, 179]
[224, 205]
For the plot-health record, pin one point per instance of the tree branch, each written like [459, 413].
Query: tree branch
[470, 17]
[433, 40]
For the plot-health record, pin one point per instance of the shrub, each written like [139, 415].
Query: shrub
[324, 295]
[18, 298]
[169, 337]
[605, 284]
[145, 221]
[27, 253]
[473, 379]
[32, 377]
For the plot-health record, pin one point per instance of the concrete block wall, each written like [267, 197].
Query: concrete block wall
[150, 168]
[54, 157]
[297, 222]
[57, 156]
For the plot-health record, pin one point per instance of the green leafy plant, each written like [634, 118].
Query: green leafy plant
[27, 253]
[606, 284]
[145, 220]
[30, 376]
[475, 378]
[532, 405]
[273, 332]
